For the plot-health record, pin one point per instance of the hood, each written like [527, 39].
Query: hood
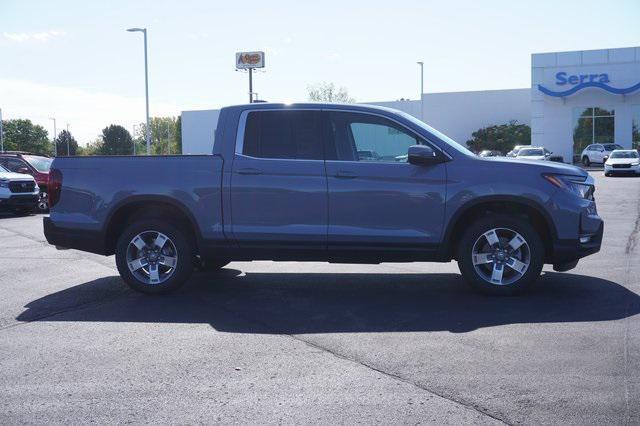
[532, 157]
[622, 160]
[543, 166]
[15, 176]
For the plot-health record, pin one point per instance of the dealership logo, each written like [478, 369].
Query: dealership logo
[585, 81]
[562, 78]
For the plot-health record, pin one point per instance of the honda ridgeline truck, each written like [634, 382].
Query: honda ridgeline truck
[287, 182]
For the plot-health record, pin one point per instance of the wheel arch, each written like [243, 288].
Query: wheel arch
[149, 206]
[472, 210]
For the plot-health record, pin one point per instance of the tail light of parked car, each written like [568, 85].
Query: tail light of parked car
[54, 186]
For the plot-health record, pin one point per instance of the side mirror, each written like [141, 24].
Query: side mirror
[23, 170]
[422, 155]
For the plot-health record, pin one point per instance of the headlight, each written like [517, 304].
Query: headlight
[574, 184]
[637, 163]
[4, 183]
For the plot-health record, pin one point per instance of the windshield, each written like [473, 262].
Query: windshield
[611, 147]
[624, 154]
[41, 164]
[446, 139]
[530, 152]
[3, 170]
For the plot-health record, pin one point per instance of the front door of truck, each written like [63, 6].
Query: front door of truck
[377, 200]
[278, 182]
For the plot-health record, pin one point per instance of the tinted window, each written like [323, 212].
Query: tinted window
[365, 137]
[283, 134]
[611, 147]
[13, 164]
[42, 164]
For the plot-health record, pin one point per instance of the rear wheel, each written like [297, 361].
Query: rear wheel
[154, 257]
[500, 255]
[585, 161]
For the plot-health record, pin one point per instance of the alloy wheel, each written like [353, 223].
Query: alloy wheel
[43, 202]
[501, 256]
[152, 257]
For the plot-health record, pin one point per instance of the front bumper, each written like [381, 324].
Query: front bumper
[566, 251]
[22, 201]
[628, 170]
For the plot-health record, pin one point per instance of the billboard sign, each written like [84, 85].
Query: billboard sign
[247, 60]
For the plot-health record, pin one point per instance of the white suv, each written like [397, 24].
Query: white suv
[18, 192]
[598, 153]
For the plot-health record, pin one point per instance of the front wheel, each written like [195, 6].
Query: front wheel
[43, 202]
[585, 161]
[154, 257]
[500, 255]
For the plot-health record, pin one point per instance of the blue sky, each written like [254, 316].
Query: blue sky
[75, 61]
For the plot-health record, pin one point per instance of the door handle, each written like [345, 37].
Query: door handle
[249, 171]
[344, 174]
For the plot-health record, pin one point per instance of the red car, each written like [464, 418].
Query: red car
[34, 165]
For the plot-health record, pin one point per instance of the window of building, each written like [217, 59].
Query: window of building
[365, 137]
[635, 130]
[592, 125]
[283, 134]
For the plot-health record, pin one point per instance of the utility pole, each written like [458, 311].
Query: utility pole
[1, 133]
[55, 132]
[421, 89]
[250, 85]
[133, 139]
[146, 85]
[68, 137]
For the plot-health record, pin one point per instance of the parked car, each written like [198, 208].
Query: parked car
[598, 153]
[514, 151]
[534, 153]
[490, 153]
[35, 165]
[18, 192]
[623, 161]
[284, 182]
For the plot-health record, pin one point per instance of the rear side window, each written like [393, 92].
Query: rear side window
[13, 164]
[283, 134]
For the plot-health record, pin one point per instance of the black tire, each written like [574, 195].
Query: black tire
[607, 174]
[585, 161]
[533, 249]
[181, 244]
[212, 265]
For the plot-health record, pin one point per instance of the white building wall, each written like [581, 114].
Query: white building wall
[552, 117]
[198, 128]
[459, 114]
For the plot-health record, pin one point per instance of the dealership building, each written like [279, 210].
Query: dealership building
[575, 99]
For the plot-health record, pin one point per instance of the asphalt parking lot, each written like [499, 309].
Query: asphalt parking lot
[268, 342]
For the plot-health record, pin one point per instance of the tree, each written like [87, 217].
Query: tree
[166, 135]
[501, 137]
[327, 92]
[23, 135]
[116, 140]
[61, 144]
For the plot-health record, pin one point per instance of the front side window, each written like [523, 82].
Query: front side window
[592, 125]
[635, 129]
[365, 137]
[284, 135]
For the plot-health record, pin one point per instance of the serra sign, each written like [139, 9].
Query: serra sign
[562, 78]
[248, 60]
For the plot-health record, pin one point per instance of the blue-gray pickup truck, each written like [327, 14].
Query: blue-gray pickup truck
[324, 182]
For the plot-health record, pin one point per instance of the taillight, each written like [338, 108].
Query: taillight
[54, 186]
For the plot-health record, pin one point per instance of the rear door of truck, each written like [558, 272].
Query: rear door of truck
[278, 180]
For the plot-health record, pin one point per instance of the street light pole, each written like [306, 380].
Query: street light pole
[146, 85]
[1, 133]
[68, 137]
[55, 132]
[421, 89]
